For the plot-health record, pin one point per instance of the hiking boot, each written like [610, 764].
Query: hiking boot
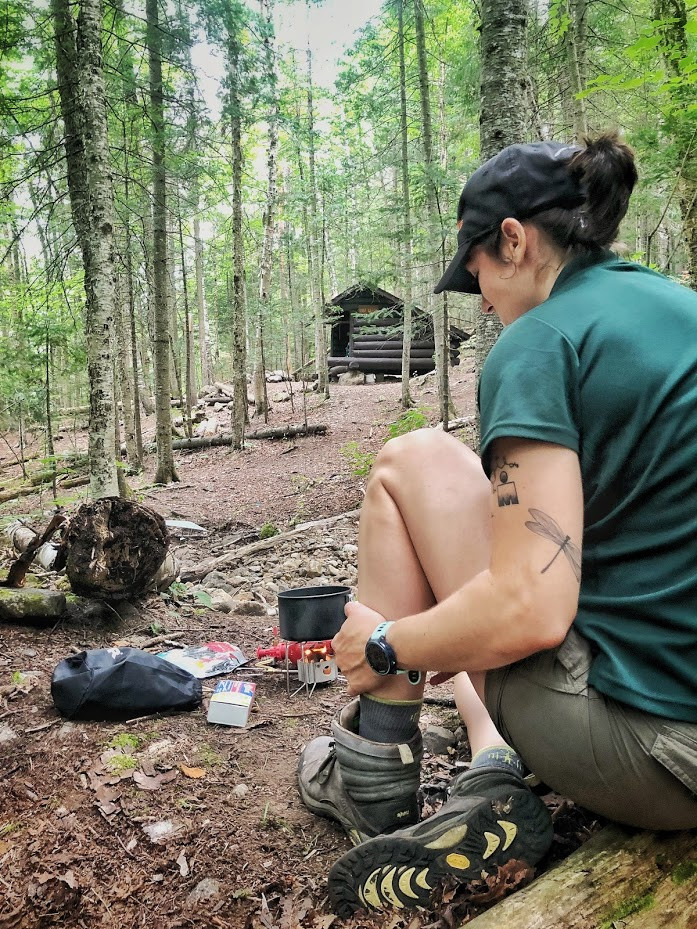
[368, 787]
[490, 818]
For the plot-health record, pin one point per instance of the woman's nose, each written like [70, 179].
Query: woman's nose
[487, 308]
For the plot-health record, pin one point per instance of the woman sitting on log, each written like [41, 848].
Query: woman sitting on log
[557, 575]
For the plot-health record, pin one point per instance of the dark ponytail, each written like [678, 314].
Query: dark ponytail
[607, 174]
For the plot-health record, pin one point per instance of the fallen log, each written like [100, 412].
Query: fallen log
[280, 432]
[22, 537]
[75, 481]
[227, 390]
[618, 878]
[31, 546]
[20, 492]
[205, 567]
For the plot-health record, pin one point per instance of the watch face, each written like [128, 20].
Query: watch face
[376, 657]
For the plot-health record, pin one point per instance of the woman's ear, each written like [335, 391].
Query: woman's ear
[513, 240]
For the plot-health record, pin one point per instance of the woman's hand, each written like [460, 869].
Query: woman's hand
[349, 648]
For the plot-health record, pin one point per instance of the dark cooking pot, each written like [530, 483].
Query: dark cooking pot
[310, 614]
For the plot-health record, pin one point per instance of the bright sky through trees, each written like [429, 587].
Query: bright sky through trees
[330, 27]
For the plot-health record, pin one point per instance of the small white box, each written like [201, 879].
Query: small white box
[231, 703]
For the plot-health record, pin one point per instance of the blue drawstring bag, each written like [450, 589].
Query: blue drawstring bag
[121, 683]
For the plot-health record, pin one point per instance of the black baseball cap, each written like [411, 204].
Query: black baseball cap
[520, 181]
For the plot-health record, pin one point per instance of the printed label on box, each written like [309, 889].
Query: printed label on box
[231, 703]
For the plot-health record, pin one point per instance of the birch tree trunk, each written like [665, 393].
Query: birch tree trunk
[125, 376]
[239, 344]
[190, 375]
[320, 344]
[83, 106]
[502, 115]
[203, 326]
[166, 471]
[575, 40]
[261, 400]
[137, 464]
[406, 211]
[437, 303]
[148, 345]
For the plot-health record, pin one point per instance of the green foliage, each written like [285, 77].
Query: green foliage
[685, 871]
[204, 598]
[121, 763]
[268, 530]
[123, 744]
[360, 462]
[125, 741]
[178, 590]
[641, 74]
[407, 421]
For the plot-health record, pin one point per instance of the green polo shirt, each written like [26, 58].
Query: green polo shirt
[607, 366]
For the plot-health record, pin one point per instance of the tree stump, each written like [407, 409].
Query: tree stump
[113, 549]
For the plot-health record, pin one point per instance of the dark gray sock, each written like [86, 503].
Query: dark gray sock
[388, 720]
[499, 756]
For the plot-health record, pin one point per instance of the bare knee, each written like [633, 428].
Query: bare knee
[428, 452]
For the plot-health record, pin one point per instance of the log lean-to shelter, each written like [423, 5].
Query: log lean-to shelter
[367, 334]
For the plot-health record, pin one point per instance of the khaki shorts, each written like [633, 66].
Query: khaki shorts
[625, 764]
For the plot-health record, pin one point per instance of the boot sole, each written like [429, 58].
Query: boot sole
[402, 871]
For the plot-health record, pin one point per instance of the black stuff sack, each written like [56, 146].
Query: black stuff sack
[121, 683]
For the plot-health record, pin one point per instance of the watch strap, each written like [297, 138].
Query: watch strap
[380, 633]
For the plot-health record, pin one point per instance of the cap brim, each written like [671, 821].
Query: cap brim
[457, 278]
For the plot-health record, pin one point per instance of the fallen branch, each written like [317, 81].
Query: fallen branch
[457, 423]
[205, 567]
[159, 639]
[279, 432]
[44, 726]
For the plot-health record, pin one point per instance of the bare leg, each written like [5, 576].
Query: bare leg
[481, 731]
[424, 532]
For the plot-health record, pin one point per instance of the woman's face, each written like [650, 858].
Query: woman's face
[505, 287]
[520, 279]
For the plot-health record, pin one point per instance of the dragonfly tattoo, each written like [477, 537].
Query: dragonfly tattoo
[546, 527]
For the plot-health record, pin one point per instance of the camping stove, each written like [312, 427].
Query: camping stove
[314, 661]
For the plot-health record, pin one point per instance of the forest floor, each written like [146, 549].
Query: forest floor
[169, 821]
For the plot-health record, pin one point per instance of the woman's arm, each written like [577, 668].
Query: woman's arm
[523, 603]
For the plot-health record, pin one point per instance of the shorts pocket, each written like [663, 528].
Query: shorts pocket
[575, 657]
[575, 654]
[676, 749]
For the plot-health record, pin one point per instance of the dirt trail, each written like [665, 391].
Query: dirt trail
[83, 843]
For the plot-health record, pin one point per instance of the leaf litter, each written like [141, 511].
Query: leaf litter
[121, 859]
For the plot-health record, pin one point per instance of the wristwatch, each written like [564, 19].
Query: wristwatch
[379, 653]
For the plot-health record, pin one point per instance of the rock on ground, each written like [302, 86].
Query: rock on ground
[30, 604]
